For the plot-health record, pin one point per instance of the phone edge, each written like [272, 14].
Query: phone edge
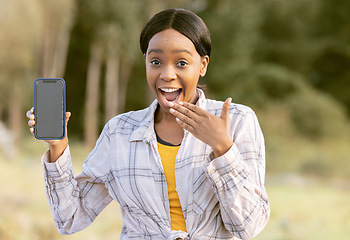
[64, 108]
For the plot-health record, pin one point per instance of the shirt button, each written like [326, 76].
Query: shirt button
[212, 171]
[176, 189]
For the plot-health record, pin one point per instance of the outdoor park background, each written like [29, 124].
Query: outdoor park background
[287, 59]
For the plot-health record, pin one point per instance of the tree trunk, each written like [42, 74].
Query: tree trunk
[92, 95]
[1, 109]
[15, 117]
[111, 87]
[55, 37]
[61, 51]
[47, 52]
[124, 79]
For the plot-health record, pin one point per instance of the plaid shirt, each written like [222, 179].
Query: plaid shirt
[222, 198]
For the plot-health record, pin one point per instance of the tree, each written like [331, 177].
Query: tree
[57, 20]
[92, 93]
[35, 36]
[113, 27]
[17, 61]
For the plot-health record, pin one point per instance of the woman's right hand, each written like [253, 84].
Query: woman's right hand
[56, 147]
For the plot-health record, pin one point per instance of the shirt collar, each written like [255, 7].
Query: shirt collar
[145, 130]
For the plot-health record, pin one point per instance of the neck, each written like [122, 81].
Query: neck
[167, 128]
[161, 116]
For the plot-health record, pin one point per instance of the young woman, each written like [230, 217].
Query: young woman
[186, 167]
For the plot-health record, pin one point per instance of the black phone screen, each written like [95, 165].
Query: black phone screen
[49, 108]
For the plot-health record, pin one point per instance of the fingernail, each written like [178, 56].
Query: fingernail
[172, 110]
[171, 104]
[181, 103]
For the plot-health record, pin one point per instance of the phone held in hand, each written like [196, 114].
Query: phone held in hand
[49, 108]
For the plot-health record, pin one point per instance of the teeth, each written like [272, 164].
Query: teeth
[169, 89]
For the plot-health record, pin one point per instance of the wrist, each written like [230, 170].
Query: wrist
[222, 148]
[56, 149]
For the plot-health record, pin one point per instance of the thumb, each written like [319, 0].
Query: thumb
[225, 109]
[68, 114]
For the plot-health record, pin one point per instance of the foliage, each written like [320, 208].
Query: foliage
[288, 60]
[17, 41]
[317, 115]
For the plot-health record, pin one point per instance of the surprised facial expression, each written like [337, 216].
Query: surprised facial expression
[173, 68]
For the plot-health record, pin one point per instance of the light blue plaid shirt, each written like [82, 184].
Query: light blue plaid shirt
[222, 198]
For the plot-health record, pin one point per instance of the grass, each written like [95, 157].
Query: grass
[301, 208]
[24, 212]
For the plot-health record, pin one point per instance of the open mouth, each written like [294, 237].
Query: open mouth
[170, 94]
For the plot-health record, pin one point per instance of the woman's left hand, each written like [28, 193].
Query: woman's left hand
[210, 129]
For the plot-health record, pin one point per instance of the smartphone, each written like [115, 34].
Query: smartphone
[49, 108]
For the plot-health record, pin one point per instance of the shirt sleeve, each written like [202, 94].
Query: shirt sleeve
[238, 177]
[76, 201]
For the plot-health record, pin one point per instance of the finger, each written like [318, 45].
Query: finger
[226, 109]
[194, 108]
[186, 126]
[28, 114]
[190, 112]
[183, 118]
[31, 123]
[68, 114]
[184, 115]
[31, 130]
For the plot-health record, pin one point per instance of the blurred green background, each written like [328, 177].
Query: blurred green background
[289, 60]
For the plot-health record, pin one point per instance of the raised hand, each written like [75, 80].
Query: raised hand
[56, 146]
[210, 129]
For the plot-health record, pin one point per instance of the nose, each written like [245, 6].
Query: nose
[168, 73]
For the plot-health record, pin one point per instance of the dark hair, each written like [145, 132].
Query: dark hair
[183, 21]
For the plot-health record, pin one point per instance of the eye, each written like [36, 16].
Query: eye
[155, 62]
[182, 63]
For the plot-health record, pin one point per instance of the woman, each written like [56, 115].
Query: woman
[186, 167]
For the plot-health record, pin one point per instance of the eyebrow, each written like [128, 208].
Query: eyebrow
[155, 50]
[175, 51]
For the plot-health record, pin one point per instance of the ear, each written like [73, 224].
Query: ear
[204, 65]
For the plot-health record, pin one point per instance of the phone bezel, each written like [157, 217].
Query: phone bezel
[64, 108]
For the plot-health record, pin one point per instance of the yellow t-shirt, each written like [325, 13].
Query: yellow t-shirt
[167, 155]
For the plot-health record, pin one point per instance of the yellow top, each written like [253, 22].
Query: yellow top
[167, 155]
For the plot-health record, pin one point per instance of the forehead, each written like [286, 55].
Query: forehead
[170, 39]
